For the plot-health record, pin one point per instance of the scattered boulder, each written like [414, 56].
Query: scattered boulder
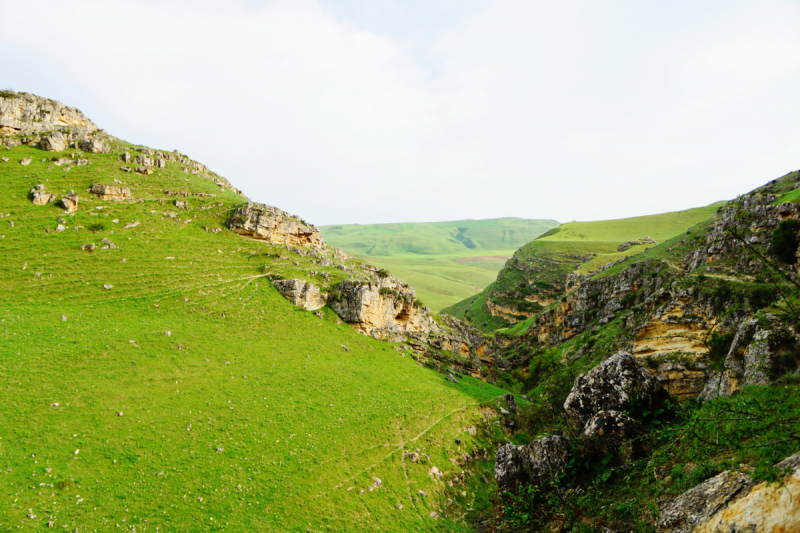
[617, 433]
[25, 162]
[301, 293]
[610, 386]
[40, 195]
[412, 456]
[126, 157]
[88, 247]
[94, 145]
[539, 462]
[182, 204]
[111, 192]
[269, 223]
[108, 287]
[732, 501]
[161, 163]
[55, 142]
[132, 224]
[70, 202]
[144, 170]
[512, 403]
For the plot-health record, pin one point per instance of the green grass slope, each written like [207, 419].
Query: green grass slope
[191, 396]
[537, 272]
[445, 262]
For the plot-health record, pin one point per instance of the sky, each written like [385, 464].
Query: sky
[356, 111]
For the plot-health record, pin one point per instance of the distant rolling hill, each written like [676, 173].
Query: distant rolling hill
[445, 262]
[535, 276]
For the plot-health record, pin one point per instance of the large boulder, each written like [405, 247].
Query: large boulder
[111, 192]
[618, 434]
[70, 202]
[40, 196]
[55, 142]
[94, 145]
[733, 502]
[301, 293]
[270, 224]
[539, 462]
[613, 385]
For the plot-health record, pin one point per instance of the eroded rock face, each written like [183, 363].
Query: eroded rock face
[617, 433]
[302, 294]
[383, 309]
[111, 192]
[733, 502]
[610, 386]
[539, 462]
[26, 114]
[270, 224]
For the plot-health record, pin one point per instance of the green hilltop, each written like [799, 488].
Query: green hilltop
[158, 381]
[444, 261]
[537, 273]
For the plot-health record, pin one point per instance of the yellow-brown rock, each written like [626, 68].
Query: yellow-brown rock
[111, 192]
[270, 224]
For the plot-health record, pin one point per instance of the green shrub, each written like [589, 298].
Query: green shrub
[383, 273]
[94, 228]
[784, 241]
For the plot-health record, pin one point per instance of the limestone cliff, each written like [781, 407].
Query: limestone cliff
[270, 224]
[27, 114]
[679, 313]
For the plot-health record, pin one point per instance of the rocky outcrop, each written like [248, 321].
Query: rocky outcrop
[70, 202]
[383, 308]
[302, 294]
[539, 462]
[55, 142]
[612, 386]
[27, 114]
[270, 224]
[40, 196]
[111, 192]
[618, 434]
[757, 354]
[462, 338]
[733, 502]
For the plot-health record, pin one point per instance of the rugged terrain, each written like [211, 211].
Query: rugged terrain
[537, 273]
[676, 367]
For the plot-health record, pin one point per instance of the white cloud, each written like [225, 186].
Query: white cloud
[568, 110]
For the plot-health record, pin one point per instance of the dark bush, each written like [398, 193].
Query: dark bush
[784, 241]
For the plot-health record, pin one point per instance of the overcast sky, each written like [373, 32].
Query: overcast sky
[368, 111]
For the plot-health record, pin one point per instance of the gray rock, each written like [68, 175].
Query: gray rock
[25, 162]
[126, 157]
[55, 142]
[94, 145]
[301, 293]
[27, 114]
[512, 403]
[617, 433]
[88, 247]
[610, 386]
[539, 463]
[182, 204]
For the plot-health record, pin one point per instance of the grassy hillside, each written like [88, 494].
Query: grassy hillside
[536, 274]
[189, 395]
[444, 261]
